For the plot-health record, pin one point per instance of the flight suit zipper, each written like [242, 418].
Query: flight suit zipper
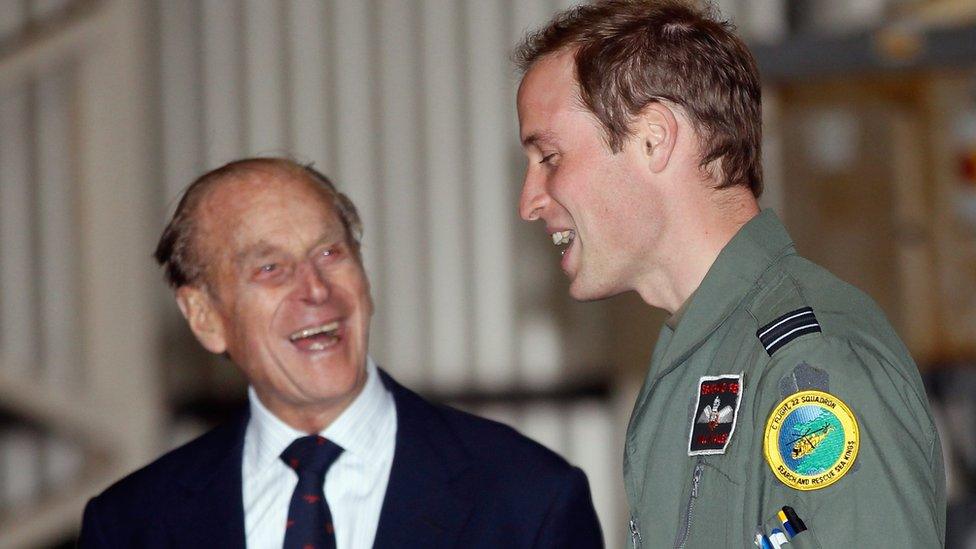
[690, 510]
[635, 534]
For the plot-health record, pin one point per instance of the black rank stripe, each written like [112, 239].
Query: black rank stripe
[787, 328]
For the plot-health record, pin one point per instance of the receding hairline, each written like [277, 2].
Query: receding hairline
[180, 250]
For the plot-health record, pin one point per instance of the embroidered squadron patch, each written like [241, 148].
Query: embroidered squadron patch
[716, 410]
[811, 440]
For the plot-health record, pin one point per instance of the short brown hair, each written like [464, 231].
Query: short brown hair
[176, 252]
[630, 53]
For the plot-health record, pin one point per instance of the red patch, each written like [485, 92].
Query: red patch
[311, 498]
[293, 462]
[289, 524]
[320, 441]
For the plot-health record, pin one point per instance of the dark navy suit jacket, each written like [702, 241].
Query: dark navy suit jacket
[457, 481]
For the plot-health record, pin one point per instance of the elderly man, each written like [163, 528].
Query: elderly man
[264, 257]
[779, 406]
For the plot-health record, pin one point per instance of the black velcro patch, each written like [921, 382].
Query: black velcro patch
[716, 411]
[787, 328]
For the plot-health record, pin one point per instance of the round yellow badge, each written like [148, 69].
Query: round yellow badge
[811, 440]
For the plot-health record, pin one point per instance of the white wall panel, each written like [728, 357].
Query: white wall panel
[222, 85]
[58, 251]
[182, 146]
[264, 56]
[449, 234]
[492, 205]
[357, 145]
[19, 467]
[18, 313]
[405, 308]
[540, 349]
[308, 67]
[63, 461]
[527, 17]
[540, 329]
[595, 446]
[546, 424]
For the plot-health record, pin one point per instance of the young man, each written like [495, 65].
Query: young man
[779, 404]
[264, 256]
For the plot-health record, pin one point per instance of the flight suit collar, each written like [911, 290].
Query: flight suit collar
[757, 245]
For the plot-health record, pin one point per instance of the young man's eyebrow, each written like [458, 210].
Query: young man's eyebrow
[535, 137]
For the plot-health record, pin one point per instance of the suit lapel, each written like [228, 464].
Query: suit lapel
[429, 496]
[209, 511]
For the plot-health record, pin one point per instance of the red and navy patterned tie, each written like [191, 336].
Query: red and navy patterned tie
[309, 519]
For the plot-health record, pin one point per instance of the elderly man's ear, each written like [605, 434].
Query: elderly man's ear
[198, 309]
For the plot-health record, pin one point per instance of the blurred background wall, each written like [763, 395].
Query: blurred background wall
[108, 108]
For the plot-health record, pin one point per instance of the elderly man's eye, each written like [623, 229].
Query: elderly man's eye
[328, 254]
[269, 268]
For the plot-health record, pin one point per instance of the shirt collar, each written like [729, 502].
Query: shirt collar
[354, 429]
[757, 245]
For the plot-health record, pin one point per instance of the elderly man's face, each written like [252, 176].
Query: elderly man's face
[287, 297]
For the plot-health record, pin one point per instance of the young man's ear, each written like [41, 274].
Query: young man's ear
[658, 130]
[197, 307]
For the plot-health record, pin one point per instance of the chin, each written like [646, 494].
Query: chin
[582, 293]
[580, 290]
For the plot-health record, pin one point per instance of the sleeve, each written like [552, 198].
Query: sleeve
[892, 493]
[571, 520]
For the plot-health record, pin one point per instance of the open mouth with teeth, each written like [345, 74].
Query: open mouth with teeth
[563, 239]
[317, 338]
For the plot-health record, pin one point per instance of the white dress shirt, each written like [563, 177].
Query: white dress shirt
[355, 484]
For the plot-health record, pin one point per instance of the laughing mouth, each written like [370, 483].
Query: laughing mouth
[316, 338]
[563, 239]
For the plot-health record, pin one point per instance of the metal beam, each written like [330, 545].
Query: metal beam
[884, 50]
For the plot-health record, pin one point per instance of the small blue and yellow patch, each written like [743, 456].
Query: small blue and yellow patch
[811, 440]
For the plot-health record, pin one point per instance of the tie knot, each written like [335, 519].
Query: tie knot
[312, 454]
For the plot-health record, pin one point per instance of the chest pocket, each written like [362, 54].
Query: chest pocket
[713, 504]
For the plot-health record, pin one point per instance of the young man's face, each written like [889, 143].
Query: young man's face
[585, 194]
[287, 295]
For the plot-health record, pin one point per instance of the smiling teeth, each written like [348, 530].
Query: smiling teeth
[309, 332]
[563, 237]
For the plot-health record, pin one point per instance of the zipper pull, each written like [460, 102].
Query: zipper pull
[635, 534]
[696, 480]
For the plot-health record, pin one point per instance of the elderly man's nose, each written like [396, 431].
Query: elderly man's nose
[315, 287]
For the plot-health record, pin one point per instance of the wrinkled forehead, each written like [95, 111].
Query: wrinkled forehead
[262, 206]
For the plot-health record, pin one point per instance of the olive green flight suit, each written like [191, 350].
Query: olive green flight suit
[893, 496]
